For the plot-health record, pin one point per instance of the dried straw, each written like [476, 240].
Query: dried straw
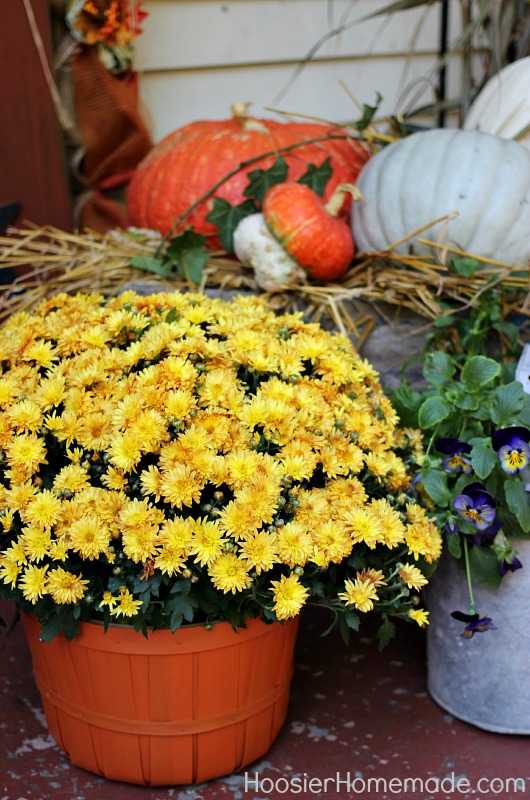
[47, 261]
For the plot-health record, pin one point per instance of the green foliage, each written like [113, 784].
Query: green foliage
[227, 217]
[185, 253]
[467, 395]
[261, 180]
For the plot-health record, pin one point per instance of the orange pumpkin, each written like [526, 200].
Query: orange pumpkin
[188, 163]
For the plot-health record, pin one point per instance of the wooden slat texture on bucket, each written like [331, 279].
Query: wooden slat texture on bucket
[172, 709]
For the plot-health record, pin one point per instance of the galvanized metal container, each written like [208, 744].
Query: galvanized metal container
[482, 680]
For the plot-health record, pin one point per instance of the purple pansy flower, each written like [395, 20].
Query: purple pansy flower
[474, 623]
[454, 449]
[509, 563]
[451, 526]
[477, 505]
[487, 535]
[511, 444]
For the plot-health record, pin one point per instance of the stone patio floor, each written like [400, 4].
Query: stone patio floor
[360, 724]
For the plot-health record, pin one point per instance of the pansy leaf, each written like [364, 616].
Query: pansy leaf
[483, 459]
[227, 217]
[518, 501]
[187, 252]
[261, 180]
[444, 321]
[509, 330]
[454, 545]
[439, 368]
[468, 402]
[433, 411]
[507, 403]
[484, 566]
[464, 266]
[435, 484]
[317, 177]
[478, 371]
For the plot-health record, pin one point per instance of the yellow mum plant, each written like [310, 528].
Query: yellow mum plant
[173, 459]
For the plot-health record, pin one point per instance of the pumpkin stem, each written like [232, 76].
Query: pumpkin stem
[336, 200]
[239, 111]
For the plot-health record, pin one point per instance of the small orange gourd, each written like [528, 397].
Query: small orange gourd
[309, 229]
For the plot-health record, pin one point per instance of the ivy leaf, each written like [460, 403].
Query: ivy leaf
[261, 180]
[151, 264]
[227, 218]
[518, 501]
[479, 371]
[187, 252]
[368, 113]
[317, 177]
[433, 411]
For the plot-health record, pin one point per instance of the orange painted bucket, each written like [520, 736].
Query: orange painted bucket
[171, 709]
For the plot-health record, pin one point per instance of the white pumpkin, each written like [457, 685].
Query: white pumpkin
[503, 105]
[430, 174]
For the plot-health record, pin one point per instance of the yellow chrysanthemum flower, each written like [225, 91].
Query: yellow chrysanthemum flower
[25, 416]
[229, 573]
[332, 541]
[238, 519]
[126, 605]
[89, 537]
[125, 450]
[33, 583]
[364, 526]
[259, 551]
[73, 478]
[424, 539]
[289, 596]
[207, 541]
[65, 587]
[359, 593]
[420, 616]
[181, 486]
[43, 510]
[412, 576]
[26, 450]
[294, 544]
[36, 542]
